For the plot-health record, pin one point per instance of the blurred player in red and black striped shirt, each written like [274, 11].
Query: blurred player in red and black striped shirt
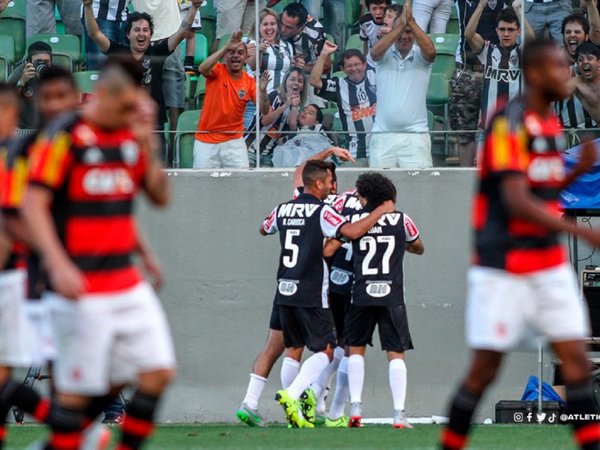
[85, 171]
[520, 279]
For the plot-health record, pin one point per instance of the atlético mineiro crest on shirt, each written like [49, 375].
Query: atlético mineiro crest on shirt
[492, 4]
[130, 151]
[242, 93]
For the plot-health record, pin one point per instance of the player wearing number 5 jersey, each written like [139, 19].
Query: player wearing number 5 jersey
[302, 277]
[378, 293]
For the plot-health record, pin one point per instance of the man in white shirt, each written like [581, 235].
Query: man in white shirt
[403, 60]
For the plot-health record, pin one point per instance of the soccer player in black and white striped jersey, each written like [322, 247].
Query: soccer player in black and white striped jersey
[502, 63]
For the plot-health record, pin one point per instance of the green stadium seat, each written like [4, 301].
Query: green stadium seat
[208, 10]
[444, 64]
[438, 92]
[65, 46]
[200, 92]
[354, 41]
[445, 43]
[16, 9]
[16, 29]
[453, 26]
[201, 50]
[438, 97]
[86, 80]
[7, 55]
[352, 12]
[209, 30]
[184, 139]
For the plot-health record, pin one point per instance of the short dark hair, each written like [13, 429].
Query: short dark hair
[351, 53]
[587, 48]
[331, 167]
[536, 52]
[38, 47]
[136, 16]
[314, 170]
[54, 73]
[394, 7]
[297, 10]
[377, 2]
[577, 18]
[319, 112]
[125, 64]
[508, 15]
[375, 188]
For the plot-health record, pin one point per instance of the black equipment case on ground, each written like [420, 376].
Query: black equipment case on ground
[526, 412]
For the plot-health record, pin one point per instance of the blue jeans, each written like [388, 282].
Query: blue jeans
[547, 15]
[115, 31]
[334, 12]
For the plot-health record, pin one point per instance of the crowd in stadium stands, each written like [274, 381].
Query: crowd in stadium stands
[319, 81]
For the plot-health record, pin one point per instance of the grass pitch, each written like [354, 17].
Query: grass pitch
[240, 437]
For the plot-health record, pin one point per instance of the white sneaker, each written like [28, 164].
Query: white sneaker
[97, 436]
[400, 420]
[355, 415]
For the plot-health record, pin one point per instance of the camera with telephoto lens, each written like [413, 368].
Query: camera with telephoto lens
[40, 67]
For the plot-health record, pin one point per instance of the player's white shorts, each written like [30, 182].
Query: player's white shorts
[503, 308]
[108, 339]
[17, 337]
[38, 313]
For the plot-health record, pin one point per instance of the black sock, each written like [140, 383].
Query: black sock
[138, 423]
[25, 398]
[454, 436]
[580, 402]
[66, 427]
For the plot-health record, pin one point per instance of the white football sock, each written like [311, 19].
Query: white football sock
[255, 389]
[398, 382]
[340, 397]
[309, 372]
[320, 386]
[356, 377]
[289, 371]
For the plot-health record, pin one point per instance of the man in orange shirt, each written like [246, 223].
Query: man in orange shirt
[228, 89]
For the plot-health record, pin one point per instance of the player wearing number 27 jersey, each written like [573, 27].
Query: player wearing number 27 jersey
[378, 293]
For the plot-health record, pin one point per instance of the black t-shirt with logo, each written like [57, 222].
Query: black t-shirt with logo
[152, 63]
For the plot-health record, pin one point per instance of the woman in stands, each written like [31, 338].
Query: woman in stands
[285, 102]
[276, 54]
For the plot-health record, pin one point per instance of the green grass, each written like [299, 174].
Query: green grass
[423, 437]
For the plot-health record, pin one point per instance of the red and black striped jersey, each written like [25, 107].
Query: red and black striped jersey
[518, 141]
[94, 176]
[16, 256]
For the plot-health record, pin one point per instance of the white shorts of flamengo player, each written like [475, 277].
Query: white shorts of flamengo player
[108, 339]
[17, 336]
[39, 315]
[503, 308]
